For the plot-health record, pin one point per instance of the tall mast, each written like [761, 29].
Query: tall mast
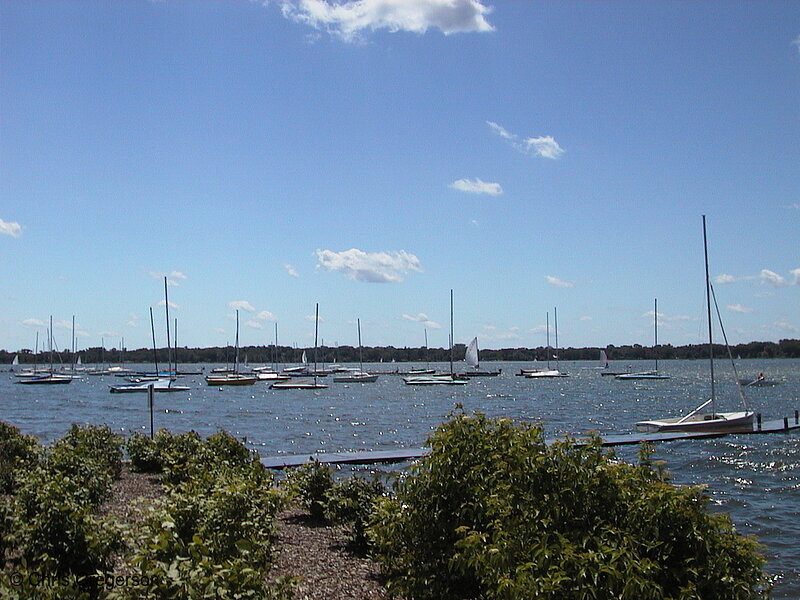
[169, 345]
[708, 309]
[547, 349]
[360, 352]
[236, 355]
[555, 318]
[655, 325]
[153, 330]
[451, 333]
[316, 331]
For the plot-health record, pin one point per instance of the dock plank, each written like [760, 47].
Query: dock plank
[410, 454]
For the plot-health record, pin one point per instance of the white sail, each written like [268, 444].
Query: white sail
[15, 362]
[471, 357]
[603, 359]
[303, 359]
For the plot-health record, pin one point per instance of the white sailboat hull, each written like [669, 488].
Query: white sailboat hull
[649, 375]
[544, 373]
[701, 422]
[434, 380]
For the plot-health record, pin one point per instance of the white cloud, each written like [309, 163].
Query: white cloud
[241, 305]
[585, 318]
[724, 278]
[796, 274]
[265, 315]
[253, 324]
[422, 318]
[739, 308]
[171, 304]
[291, 270]
[350, 18]
[771, 278]
[556, 282]
[543, 146]
[374, 267]
[172, 277]
[34, 323]
[797, 43]
[10, 228]
[476, 186]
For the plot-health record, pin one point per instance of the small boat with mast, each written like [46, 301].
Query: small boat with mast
[548, 372]
[440, 379]
[50, 377]
[234, 377]
[700, 419]
[473, 364]
[654, 374]
[302, 383]
[359, 376]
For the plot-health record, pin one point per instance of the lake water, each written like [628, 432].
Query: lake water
[754, 478]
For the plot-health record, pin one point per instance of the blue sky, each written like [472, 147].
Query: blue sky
[371, 156]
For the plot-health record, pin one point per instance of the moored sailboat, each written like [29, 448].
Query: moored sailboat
[699, 419]
[654, 374]
[235, 377]
[473, 364]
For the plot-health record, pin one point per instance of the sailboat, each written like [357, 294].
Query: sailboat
[548, 372]
[304, 384]
[654, 374]
[234, 378]
[473, 364]
[266, 373]
[49, 377]
[445, 379]
[700, 419]
[360, 376]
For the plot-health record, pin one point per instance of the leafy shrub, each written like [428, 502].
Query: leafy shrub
[144, 453]
[350, 502]
[210, 537]
[57, 531]
[92, 442]
[17, 452]
[493, 512]
[312, 482]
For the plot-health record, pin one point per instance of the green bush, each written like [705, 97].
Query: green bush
[144, 453]
[56, 530]
[493, 512]
[210, 537]
[350, 503]
[96, 443]
[311, 482]
[17, 452]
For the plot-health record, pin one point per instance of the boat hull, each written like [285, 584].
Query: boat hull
[705, 422]
[544, 374]
[230, 380]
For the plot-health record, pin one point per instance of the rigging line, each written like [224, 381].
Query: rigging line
[728, 348]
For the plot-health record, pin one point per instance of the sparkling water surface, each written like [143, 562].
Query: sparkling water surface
[754, 478]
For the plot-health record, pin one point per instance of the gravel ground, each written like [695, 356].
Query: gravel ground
[318, 555]
[314, 553]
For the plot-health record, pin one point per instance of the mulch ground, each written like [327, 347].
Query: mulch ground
[314, 553]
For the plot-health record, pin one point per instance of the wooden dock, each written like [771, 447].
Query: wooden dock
[409, 454]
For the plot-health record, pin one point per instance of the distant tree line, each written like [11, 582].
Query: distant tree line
[350, 354]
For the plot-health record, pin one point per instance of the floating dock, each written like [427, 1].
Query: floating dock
[410, 454]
